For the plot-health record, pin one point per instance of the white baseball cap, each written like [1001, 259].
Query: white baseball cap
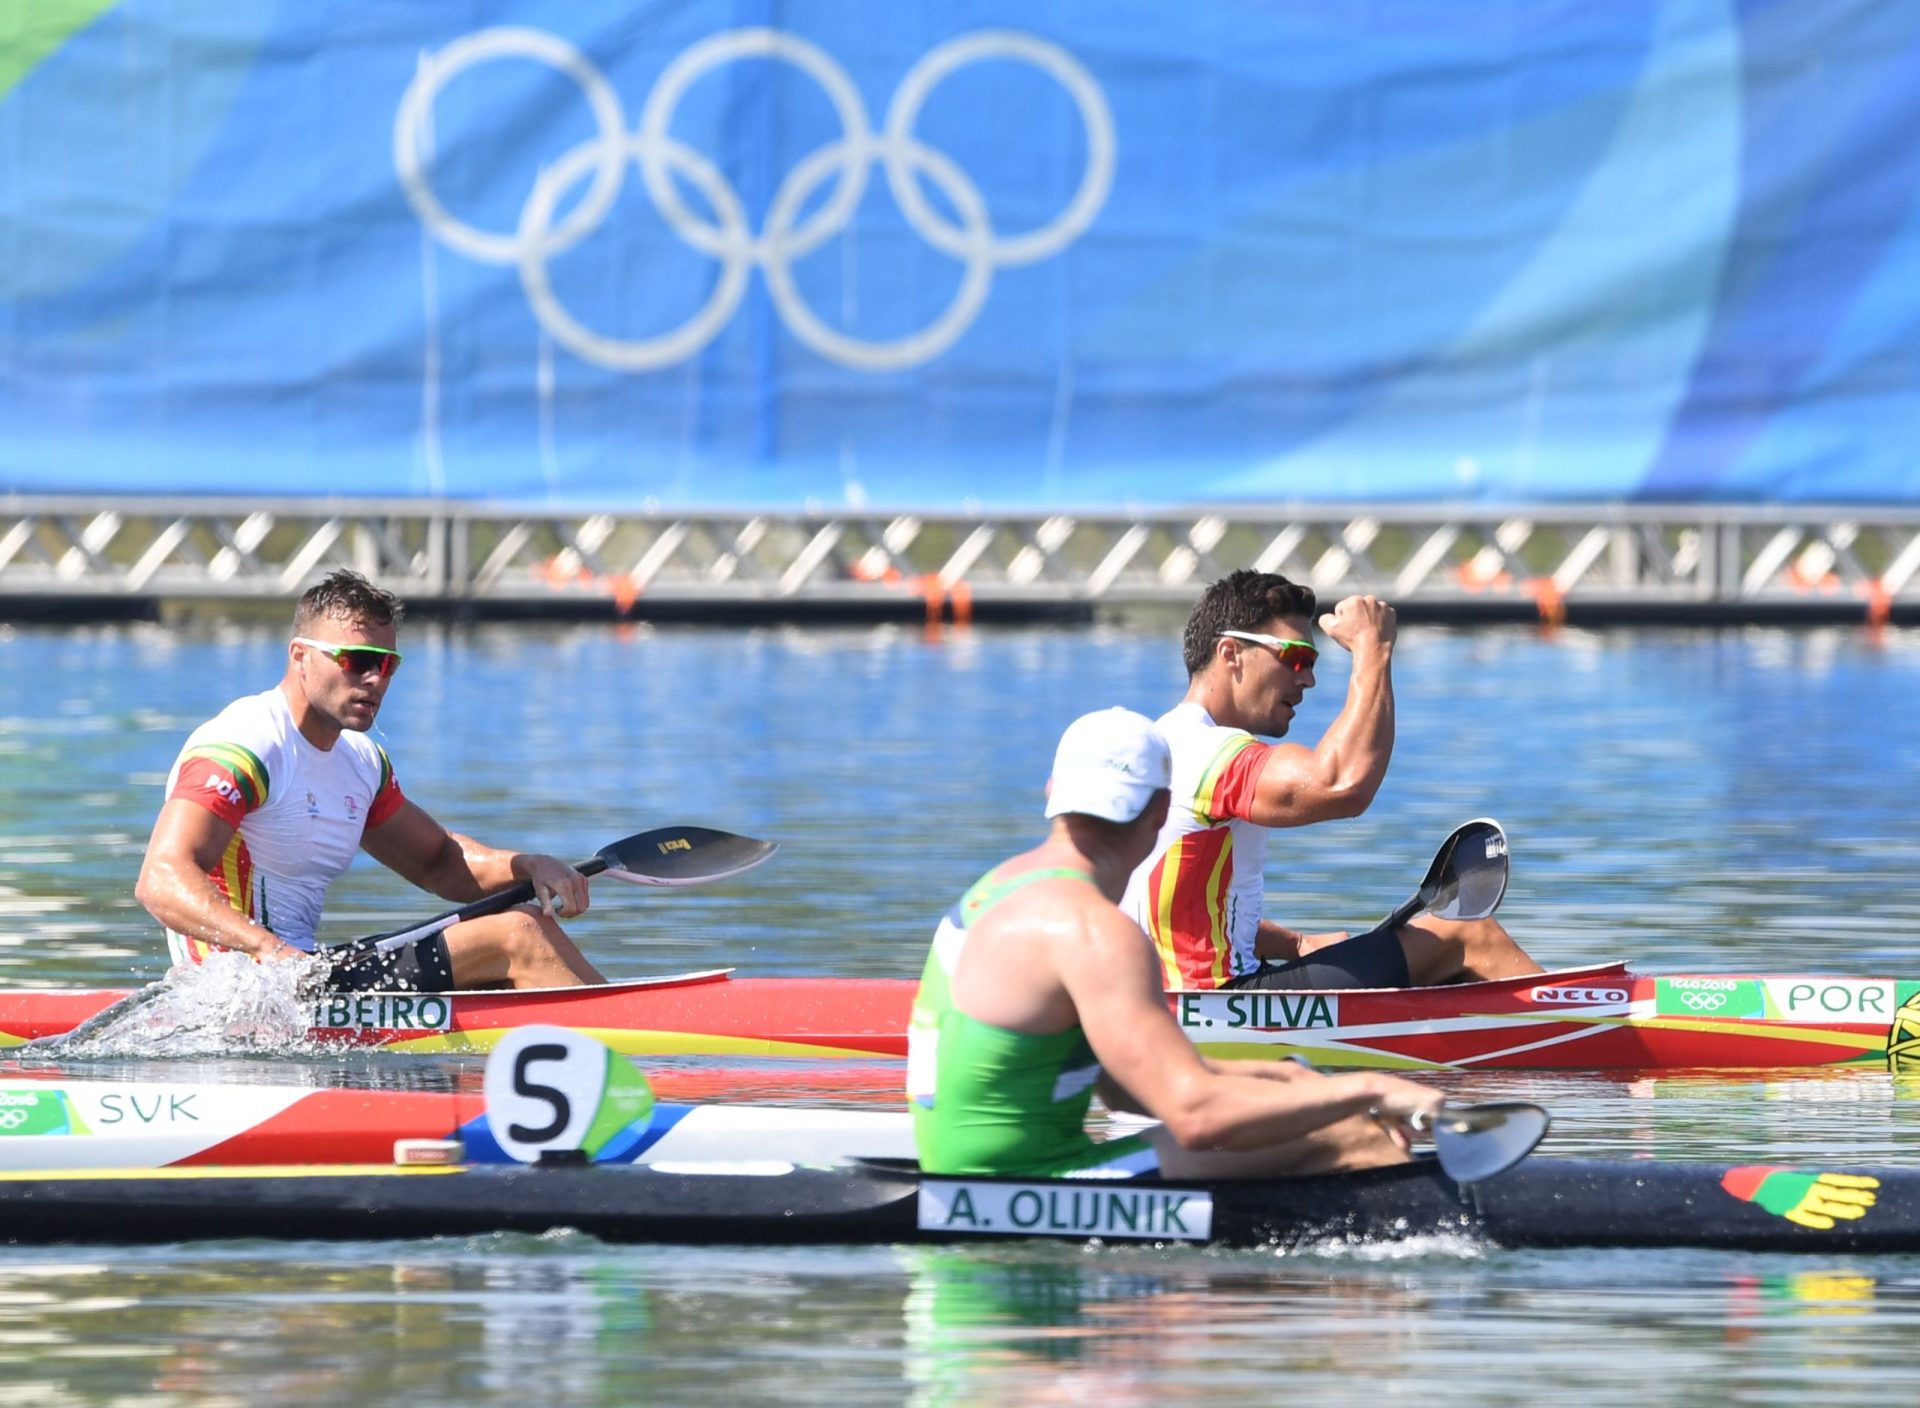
[1109, 764]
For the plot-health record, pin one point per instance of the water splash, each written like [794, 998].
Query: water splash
[225, 1005]
[1453, 1246]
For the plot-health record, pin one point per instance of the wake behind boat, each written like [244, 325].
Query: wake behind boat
[1601, 1017]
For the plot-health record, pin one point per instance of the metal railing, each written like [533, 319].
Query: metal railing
[1680, 561]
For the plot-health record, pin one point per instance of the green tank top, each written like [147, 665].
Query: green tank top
[986, 1100]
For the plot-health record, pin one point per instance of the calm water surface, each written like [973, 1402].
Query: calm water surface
[1734, 800]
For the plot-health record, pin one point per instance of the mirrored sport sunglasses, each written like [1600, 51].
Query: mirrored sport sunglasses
[355, 659]
[1296, 655]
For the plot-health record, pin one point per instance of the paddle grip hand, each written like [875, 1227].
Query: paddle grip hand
[559, 888]
[503, 900]
[1404, 1108]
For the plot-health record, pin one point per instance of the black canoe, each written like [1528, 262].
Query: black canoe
[1543, 1202]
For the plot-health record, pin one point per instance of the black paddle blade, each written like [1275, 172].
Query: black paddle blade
[1467, 879]
[1474, 867]
[683, 855]
[1474, 1142]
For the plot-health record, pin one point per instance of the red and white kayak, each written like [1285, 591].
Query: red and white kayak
[690, 1014]
[1602, 1017]
[67, 1122]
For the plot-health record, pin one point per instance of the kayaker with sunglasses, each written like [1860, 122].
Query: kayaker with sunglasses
[1250, 656]
[269, 801]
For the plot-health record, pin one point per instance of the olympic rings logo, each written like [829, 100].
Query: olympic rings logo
[1705, 1001]
[602, 161]
[13, 1117]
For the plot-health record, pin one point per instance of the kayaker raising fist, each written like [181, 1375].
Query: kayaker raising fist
[268, 802]
[1201, 894]
[1039, 992]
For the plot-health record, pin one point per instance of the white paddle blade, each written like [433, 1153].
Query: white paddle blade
[1475, 1142]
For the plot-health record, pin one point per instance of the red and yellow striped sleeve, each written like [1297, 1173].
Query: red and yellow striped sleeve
[1227, 787]
[387, 797]
[225, 778]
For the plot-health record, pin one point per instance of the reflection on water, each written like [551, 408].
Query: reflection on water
[1732, 801]
[493, 1321]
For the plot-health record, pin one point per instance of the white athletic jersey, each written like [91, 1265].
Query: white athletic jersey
[1201, 893]
[299, 811]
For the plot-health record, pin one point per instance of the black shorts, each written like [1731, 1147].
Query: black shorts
[421, 966]
[1370, 960]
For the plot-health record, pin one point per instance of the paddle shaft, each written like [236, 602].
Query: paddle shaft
[1404, 911]
[1429, 891]
[667, 855]
[497, 903]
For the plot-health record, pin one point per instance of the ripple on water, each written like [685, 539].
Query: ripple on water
[1737, 801]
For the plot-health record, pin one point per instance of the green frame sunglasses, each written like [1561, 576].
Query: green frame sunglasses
[1297, 655]
[355, 659]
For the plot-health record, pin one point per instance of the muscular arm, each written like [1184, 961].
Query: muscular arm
[461, 869]
[188, 841]
[1340, 775]
[1152, 1068]
[1117, 1097]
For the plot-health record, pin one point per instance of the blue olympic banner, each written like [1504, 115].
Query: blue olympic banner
[1038, 253]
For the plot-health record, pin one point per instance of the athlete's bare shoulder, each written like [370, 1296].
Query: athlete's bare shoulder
[1082, 926]
[1111, 970]
[1052, 903]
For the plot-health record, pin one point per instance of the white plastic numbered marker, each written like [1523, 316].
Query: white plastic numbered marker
[552, 1088]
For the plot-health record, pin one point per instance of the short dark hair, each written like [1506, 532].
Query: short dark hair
[1241, 601]
[345, 595]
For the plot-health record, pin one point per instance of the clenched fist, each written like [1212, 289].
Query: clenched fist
[1359, 622]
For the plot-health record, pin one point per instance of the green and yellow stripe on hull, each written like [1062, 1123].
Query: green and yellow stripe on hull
[645, 1043]
[1346, 1058]
[1867, 1048]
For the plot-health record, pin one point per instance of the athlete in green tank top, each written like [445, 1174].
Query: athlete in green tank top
[1064, 1000]
[987, 1100]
